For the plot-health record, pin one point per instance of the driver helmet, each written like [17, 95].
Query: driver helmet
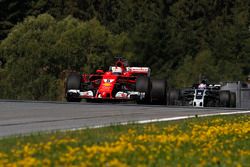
[117, 70]
[203, 84]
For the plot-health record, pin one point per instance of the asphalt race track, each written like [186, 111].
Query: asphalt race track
[22, 117]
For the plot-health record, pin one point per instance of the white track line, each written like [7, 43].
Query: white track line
[161, 120]
[192, 116]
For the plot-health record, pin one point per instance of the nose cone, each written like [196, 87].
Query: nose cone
[104, 94]
[107, 85]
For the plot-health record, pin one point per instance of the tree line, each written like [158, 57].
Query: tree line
[181, 40]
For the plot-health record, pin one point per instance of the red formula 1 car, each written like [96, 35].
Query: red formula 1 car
[119, 83]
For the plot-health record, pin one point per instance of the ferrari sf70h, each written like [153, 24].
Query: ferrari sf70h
[119, 83]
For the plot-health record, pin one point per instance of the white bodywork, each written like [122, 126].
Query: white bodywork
[199, 96]
[86, 93]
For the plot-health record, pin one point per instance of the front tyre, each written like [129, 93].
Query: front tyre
[73, 99]
[73, 83]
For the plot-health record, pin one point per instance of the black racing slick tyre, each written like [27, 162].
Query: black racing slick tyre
[143, 85]
[173, 96]
[73, 82]
[158, 91]
[232, 99]
[225, 98]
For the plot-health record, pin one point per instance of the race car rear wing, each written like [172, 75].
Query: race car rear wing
[139, 70]
[135, 70]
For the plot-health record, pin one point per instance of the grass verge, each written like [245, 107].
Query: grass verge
[211, 141]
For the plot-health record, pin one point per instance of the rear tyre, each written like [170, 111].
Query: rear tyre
[158, 91]
[143, 85]
[73, 82]
[225, 98]
[173, 97]
[232, 99]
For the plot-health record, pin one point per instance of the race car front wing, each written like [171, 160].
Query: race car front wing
[128, 95]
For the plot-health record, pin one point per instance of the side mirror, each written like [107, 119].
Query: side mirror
[99, 71]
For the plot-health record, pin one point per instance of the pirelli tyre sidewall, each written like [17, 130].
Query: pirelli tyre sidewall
[73, 82]
[158, 91]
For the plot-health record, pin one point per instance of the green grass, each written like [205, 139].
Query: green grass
[211, 141]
